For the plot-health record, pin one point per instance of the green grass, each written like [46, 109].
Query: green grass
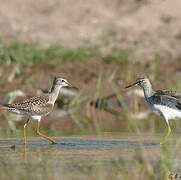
[32, 53]
[118, 55]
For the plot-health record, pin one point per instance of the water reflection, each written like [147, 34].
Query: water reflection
[25, 158]
[79, 156]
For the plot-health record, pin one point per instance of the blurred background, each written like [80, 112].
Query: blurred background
[99, 46]
[143, 26]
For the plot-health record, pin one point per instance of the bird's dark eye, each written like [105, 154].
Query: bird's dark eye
[63, 80]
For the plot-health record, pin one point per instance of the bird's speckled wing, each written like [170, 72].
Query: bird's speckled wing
[35, 105]
[171, 99]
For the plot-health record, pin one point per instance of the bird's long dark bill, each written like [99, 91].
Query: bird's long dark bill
[131, 85]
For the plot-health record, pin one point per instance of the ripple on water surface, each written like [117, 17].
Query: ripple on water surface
[89, 144]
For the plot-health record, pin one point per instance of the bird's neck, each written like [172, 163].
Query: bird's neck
[148, 91]
[54, 92]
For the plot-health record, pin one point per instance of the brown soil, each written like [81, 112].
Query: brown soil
[148, 27]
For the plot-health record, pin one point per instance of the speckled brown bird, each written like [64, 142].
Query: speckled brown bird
[38, 106]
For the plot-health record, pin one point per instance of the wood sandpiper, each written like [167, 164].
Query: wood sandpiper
[162, 102]
[38, 106]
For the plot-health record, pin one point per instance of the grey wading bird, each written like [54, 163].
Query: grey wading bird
[38, 106]
[162, 102]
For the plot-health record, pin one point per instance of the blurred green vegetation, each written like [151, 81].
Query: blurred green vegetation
[18, 53]
[31, 53]
[91, 118]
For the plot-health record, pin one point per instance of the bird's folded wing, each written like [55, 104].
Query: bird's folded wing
[173, 94]
[170, 99]
[30, 104]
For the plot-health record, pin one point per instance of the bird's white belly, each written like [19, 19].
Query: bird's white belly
[167, 112]
[35, 117]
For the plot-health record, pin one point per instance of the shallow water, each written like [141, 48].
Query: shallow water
[69, 144]
[72, 158]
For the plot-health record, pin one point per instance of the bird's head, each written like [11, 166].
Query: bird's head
[61, 82]
[142, 82]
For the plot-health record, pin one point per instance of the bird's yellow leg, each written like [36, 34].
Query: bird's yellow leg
[24, 128]
[166, 136]
[40, 134]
